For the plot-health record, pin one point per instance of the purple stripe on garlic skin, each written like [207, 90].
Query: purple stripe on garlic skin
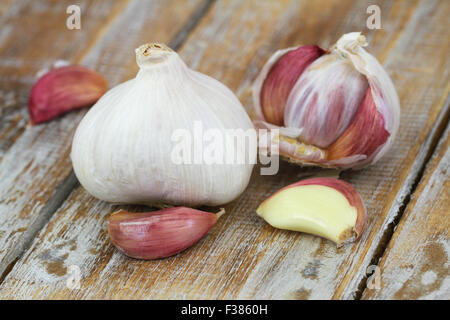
[383, 90]
[283, 76]
[320, 123]
[256, 93]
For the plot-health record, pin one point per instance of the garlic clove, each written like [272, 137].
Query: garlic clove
[159, 234]
[325, 103]
[64, 89]
[280, 79]
[363, 136]
[385, 97]
[327, 207]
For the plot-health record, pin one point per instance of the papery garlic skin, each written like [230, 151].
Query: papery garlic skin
[320, 118]
[122, 149]
[284, 75]
[328, 76]
[63, 89]
[327, 207]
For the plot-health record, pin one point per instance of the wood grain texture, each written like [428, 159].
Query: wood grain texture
[4, 6]
[31, 169]
[243, 257]
[35, 160]
[416, 264]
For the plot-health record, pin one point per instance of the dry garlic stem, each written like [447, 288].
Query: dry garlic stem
[326, 207]
[159, 234]
[62, 90]
[335, 108]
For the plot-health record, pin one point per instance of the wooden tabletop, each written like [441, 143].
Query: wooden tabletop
[52, 231]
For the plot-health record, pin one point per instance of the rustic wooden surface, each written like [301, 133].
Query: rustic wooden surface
[50, 223]
[29, 188]
[416, 263]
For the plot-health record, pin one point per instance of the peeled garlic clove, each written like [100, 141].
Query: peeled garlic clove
[326, 207]
[62, 90]
[326, 103]
[139, 143]
[159, 234]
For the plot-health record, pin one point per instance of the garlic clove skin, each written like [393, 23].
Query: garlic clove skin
[284, 73]
[384, 95]
[324, 101]
[325, 105]
[159, 234]
[64, 89]
[327, 207]
[122, 151]
[363, 136]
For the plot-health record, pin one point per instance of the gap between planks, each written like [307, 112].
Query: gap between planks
[430, 146]
[71, 182]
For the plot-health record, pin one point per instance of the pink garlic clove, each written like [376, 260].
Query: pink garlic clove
[62, 90]
[363, 136]
[281, 78]
[159, 234]
[324, 101]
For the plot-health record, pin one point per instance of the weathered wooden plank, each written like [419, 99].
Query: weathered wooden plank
[416, 262]
[33, 35]
[4, 6]
[243, 257]
[37, 159]
[424, 110]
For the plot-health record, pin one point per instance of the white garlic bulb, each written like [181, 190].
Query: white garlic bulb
[122, 151]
